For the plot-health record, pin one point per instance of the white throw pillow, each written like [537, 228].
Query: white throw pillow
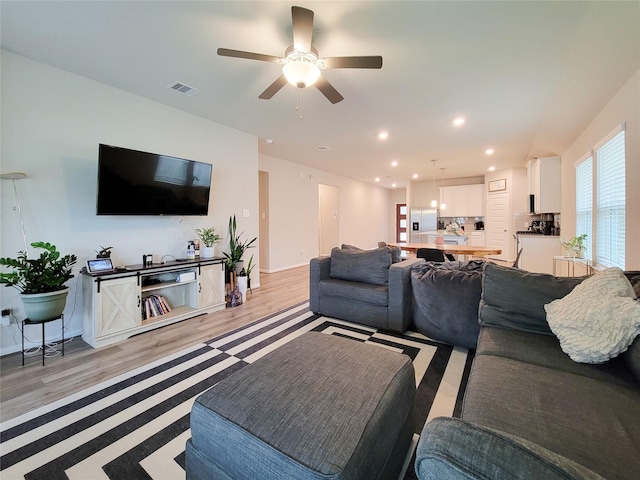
[598, 319]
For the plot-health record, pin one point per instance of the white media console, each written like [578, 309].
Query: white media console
[124, 303]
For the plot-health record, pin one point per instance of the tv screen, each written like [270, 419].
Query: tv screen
[140, 183]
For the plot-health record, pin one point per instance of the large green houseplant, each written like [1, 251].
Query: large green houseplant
[40, 280]
[237, 246]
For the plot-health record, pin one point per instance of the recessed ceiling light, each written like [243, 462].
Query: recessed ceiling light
[458, 122]
[489, 151]
[393, 185]
[415, 175]
[492, 168]
[377, 179]
[269, 140]
[383, 135]
[323, 148]
[394, 163]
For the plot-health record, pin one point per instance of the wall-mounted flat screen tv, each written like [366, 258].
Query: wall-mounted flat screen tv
[131, 182]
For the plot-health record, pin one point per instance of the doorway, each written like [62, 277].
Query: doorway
[401, 222]
[328, 218]
[263, 207]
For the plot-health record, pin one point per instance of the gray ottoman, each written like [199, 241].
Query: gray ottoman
[318, 407]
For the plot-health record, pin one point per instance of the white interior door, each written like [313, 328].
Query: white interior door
[497, 223]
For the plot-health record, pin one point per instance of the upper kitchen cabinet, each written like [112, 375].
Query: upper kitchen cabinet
[462, 201]
[544, 184]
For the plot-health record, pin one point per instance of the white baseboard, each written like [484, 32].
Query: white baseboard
[27, 344]
[274, 270]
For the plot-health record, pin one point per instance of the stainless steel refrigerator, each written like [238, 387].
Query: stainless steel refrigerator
[423, 220]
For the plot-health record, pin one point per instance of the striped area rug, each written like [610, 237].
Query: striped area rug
[135, 426]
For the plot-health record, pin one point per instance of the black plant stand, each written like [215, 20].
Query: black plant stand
[27, 321]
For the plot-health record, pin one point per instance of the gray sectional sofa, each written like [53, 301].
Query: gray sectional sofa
[371, 287]
[530, 411]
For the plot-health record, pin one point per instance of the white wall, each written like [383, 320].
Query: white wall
[52, 123]
[623, 107]
[293, 207]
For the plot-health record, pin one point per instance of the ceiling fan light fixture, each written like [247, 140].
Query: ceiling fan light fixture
[301, 73]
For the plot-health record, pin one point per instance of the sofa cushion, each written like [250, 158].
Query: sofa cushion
[368, 266]
[594, 423]
[451, 448]
[514, 298]
[356, 292]
[447, 297]
[597, 320]
[545, 351]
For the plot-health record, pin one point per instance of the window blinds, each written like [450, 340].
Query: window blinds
[610, 202]
[584, 201]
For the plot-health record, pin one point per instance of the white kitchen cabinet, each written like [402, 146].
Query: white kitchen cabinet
[475, 200]
[121, 304]
[462, 201]
[544, 184]
[476, 238]
[538, 252]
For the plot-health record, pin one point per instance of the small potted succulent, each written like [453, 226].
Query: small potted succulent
[209, 238]
[104, 252]
[40, 280]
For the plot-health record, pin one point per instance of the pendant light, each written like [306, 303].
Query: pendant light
[442, 205]
[434, 202]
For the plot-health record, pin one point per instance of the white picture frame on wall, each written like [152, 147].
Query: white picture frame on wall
[498, 185]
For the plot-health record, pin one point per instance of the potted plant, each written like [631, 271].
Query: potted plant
[104, 252]
[248, 270]
[575, 247]
[237, 246]
[209, 238]
[40, 280]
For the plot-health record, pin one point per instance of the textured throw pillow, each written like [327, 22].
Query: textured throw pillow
[598, 320]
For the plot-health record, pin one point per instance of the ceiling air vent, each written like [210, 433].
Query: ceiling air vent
[182, 88]
[322, 148]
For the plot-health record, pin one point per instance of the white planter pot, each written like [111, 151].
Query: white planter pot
[43, 306]
[207, 252]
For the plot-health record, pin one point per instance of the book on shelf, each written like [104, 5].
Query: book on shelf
[155, 306]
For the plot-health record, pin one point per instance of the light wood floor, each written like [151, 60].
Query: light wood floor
[24, 388]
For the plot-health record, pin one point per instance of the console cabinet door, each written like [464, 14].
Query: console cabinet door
[117, 305]
[211, 285]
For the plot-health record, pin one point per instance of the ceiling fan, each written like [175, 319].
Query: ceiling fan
[301, 62]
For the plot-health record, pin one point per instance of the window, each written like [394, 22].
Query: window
[600, 188]
[584, 201]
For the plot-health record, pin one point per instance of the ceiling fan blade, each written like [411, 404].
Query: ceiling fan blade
[302, 28]
[274, 88]
[328, 90]
[225, 52]
[353, 62]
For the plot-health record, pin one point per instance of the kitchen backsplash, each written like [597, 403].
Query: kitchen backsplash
[469, 223]
[523, 220]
